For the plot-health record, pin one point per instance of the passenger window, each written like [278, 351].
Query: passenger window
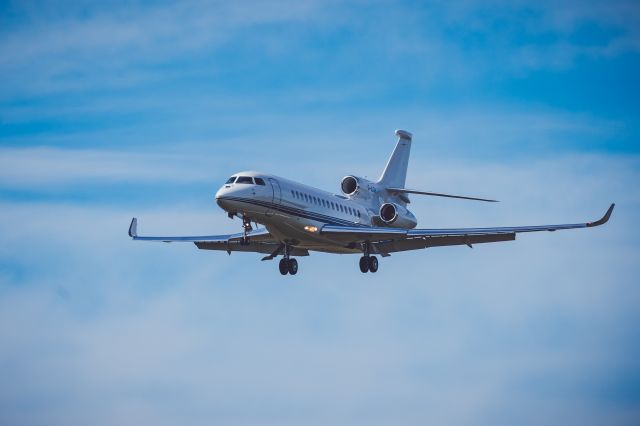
[260, 181]
[231, 180]
[244, 179]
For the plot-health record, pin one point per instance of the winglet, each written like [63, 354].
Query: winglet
[133, 228]
[604, 219]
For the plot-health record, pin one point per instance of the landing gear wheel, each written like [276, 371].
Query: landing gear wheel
[373, 264]
[364, 264]
[284, 266]
[292, 265]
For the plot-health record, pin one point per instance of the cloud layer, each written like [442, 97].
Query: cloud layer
[119, 109]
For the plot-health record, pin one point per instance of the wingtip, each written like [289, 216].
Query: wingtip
[604, 219]
[133, 228]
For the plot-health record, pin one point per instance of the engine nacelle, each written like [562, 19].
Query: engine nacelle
[350, 185]
[353, 186]
[397, 216]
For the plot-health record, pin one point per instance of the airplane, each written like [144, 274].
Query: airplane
[368, 218]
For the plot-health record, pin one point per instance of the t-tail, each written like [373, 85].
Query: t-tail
[394, 177]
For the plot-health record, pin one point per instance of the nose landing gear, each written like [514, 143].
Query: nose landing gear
[246, 228]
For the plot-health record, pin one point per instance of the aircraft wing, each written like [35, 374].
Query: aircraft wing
[260, 241]
[388, 240]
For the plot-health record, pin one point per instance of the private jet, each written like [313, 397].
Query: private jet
[367, 218]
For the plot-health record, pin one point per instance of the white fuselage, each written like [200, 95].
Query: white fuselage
[294, 212]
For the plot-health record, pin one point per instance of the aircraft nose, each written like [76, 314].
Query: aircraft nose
[220, 197]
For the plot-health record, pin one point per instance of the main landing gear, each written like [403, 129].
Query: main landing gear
[368, 263]
[288, 265]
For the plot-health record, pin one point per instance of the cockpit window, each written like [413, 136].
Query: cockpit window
[259, 181]
[244, 179]
[231, 180]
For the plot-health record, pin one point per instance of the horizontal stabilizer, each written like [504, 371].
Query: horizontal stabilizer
[437, 194]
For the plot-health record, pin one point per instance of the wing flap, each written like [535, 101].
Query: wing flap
[252, 247]
[393, 246]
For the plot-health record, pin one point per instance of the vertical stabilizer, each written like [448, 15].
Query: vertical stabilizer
[395, 173]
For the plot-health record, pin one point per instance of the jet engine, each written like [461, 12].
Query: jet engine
[353, 186]
[350, 185]
[397, 216]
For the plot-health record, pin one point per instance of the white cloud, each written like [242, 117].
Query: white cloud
[43, 167]
[117, 48]
[99, 48]
[439, 133]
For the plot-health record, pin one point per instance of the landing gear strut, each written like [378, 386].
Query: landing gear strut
[246, 228]
[368, 263]
[288, 265]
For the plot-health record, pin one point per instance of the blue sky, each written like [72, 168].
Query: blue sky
[115, 109]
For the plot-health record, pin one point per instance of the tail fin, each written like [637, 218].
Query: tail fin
[395, 173]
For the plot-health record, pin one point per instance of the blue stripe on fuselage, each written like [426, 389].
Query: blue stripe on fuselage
[297, 212]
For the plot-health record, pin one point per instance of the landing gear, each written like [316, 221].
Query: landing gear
[373, 264]
[368, 264]
[364, 264]
[284, 266]
[293, 266]
[246, 228]
[288, 265]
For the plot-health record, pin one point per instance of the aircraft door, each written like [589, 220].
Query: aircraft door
[277, 193]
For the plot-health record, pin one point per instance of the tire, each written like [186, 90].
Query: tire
[364, 264]
[293, 266]
[283, 266]
[373, 264]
